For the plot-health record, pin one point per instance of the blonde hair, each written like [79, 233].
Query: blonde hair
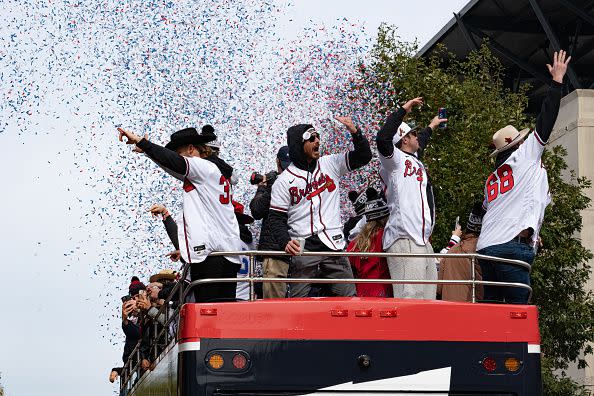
[368, 233]
[204, 150]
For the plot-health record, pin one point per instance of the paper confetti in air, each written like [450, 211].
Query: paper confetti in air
[158, 66]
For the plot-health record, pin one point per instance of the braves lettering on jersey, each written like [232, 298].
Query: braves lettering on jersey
[312, 200]
[208, 222]
[405, 181]
[516, 195]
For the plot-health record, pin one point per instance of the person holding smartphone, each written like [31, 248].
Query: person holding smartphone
[130, 320]
[410, 199]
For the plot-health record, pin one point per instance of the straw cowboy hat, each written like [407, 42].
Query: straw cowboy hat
[506, 138]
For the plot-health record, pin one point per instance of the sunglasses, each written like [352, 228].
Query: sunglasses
[310, 135]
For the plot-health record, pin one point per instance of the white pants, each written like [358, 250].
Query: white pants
[412, 268]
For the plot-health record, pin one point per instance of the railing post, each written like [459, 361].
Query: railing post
[473, 279]
[251, 274]
[138, 362]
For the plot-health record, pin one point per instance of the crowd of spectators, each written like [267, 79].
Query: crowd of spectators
[299, 205]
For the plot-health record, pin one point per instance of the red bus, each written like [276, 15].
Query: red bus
[349, 346]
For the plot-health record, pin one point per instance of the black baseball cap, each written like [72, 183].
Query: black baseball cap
[283, 157]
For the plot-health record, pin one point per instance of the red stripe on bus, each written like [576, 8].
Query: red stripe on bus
[414, 320]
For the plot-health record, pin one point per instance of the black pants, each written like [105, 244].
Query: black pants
[214, 267]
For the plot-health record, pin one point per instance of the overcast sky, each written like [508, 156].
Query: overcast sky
[51, 341]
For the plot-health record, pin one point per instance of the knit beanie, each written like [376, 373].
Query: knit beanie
[358, 200]
[376, 207]
[135, 286]
[475, 218]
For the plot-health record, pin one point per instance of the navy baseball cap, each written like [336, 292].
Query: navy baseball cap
[283, 157]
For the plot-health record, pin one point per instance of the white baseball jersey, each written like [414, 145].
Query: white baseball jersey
[312, 200]
[208, 220]
[516, 195]
[242, 291]
[405, 180]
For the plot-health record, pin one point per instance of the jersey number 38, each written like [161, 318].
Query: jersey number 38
[500, 182]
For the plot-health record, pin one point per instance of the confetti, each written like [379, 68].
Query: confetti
[155, 67]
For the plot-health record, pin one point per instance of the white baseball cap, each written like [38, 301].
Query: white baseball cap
[506, 138]
[403, 130]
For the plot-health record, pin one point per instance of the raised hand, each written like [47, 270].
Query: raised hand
[348, 123]
[436, 121]
[137, 149]
[158, 209]
[408, 106]
[559, 67]
[131, 137]
[143, 302]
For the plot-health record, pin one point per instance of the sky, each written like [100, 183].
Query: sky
[74, 225]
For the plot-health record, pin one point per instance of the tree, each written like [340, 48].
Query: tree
[458, 162]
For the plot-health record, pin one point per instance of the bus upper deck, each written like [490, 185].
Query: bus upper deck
[343, 345]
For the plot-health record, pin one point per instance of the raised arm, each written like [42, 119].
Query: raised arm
[168, 222]
[260, 204]
[390, 128]
[550, 106]
[361, 155]
[425, 135]
[163, 157]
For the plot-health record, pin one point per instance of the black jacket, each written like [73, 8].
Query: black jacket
[544, 121]
[357, 158]
[133, 334]
[260, 208]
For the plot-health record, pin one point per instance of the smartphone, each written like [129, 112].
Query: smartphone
[126, 298]
[442, 113]
[457, 222]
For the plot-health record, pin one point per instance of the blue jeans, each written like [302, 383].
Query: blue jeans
[499, 272]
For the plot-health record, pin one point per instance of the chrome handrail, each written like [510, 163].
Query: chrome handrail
[129, 369]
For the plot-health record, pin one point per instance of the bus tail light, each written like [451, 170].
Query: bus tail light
[216, 361]
[489, 364]
[228, 361]
[239, 361]
[512, 364]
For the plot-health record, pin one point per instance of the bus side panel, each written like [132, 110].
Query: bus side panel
[191, 373]
[298, 366]
[162, 381]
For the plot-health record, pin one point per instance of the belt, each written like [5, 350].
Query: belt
[525, 240]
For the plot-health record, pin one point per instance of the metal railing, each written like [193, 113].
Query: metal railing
[133, 371]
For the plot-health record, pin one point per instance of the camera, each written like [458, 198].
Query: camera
[257, 178]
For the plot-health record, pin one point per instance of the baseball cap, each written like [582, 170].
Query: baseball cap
[283, 157]
[403, 130]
